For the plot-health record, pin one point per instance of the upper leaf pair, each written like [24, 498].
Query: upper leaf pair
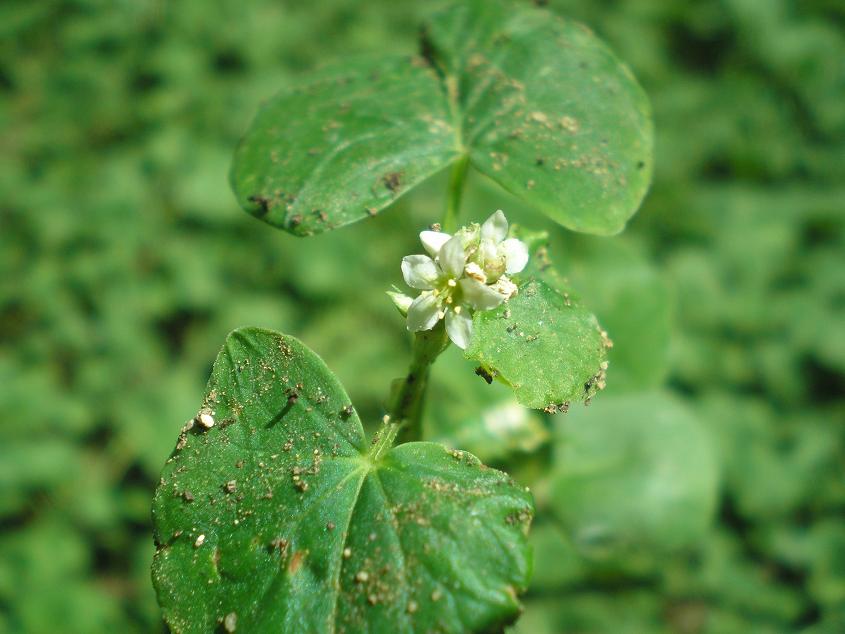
[536, 102]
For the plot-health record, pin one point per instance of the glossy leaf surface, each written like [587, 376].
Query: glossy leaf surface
[279, 519]
[543, 344]
[537, 103]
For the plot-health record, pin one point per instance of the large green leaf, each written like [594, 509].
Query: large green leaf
[536, 102]
[547, 111]
[345, 145]
[279, 519]
[635, 475]
[548, 348]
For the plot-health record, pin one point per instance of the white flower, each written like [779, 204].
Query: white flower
[465, 272]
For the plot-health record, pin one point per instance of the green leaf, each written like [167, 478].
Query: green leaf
[344, 146]
[278, 518]
[536, 102]
[547, 111]
[544, 345]
[635, 474]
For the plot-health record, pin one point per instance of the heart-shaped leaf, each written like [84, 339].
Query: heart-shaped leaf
[534, 101]
[278, 518]
[548, 348]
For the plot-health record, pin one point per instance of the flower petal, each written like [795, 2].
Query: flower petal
[459, 328]
[401, 301]
[424, 312]
[452, 257]
[495, 227]
[491, 259]
[433, 240]
[480, 296]
[419, 271]
[516, 255]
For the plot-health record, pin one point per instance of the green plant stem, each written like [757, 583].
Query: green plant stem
[406, 406]
[408, 396]
[457, 177]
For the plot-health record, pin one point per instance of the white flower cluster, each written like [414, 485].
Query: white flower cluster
[464, 272]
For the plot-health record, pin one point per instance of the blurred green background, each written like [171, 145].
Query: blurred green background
[703, 492]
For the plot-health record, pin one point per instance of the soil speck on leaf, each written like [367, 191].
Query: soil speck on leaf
[263, 202]
[296, 561]
[393, 181]
[484, 374]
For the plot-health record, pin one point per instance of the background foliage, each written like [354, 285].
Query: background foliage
[125, 261]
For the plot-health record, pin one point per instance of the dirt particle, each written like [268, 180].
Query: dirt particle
[280, 544]
[205, 419]
[263, 202]
[187, 496]
[570, 124]
[346, 411]
[554, 408]
[296, 561]
[231, 486]
[539, 117]
[393, 181]
[484, 374]
[330, 526]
